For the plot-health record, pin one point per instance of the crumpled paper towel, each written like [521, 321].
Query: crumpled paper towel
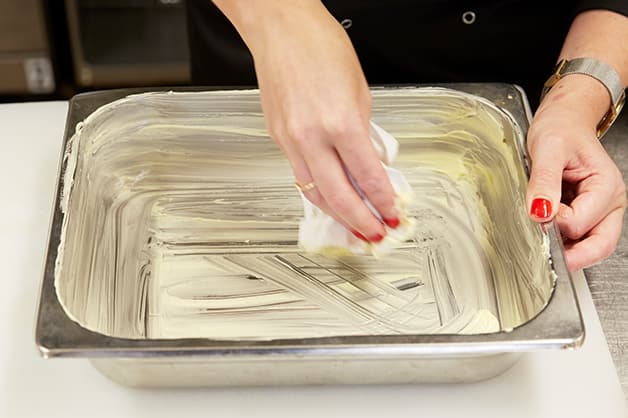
[320, 233]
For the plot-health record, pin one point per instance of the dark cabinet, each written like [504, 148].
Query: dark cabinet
[25, 59]
[128, 42]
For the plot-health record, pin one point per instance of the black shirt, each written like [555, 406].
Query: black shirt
[402, 41]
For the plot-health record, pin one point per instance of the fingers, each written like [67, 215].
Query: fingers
[316, 161]
[361, 159]
[303, 176]
[340, 196]
[544, 188]
[337, 195]
[596, 214]
[597, 197]
[598, 245]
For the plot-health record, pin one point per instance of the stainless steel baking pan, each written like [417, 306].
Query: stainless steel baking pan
[172, 258]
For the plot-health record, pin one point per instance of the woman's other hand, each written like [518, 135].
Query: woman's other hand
[573, 180]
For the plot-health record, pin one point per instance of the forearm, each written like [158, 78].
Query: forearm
[602, 35]
[598, 34]
[256, 20]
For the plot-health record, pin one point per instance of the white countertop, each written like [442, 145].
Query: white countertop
[573, 384]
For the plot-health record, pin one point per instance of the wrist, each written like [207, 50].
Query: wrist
[582, 94]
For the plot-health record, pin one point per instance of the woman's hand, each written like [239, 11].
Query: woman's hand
[573, 180]
[317, 108]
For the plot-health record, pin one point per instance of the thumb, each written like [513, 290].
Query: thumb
[544, 188]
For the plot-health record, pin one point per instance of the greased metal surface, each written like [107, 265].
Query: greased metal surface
[421, 292]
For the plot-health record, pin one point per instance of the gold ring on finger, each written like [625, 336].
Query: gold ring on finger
[305, 187]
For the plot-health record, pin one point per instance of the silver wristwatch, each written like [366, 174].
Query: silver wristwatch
[602, 72]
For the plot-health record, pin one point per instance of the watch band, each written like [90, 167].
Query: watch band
[602, 72]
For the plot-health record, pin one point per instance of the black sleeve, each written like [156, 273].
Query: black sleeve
[218, 55]
[618, 6]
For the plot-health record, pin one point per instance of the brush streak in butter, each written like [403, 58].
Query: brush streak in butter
[181, 220]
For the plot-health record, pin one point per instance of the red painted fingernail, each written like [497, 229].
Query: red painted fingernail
[376, 238]
[393, 223]
[541, 208]
[359, 236]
